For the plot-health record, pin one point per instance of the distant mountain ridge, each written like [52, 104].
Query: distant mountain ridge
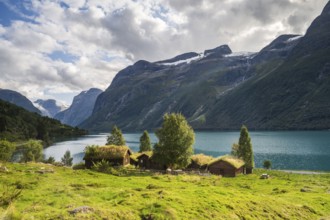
[18, 99]
[284, 86]
[49, 107]
[80, 109]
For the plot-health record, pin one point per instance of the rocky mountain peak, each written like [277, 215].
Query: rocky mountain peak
[218, 51]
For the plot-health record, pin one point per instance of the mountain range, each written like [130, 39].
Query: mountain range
[80, 109]
[18, 99]
[286, 85]
[49, 107]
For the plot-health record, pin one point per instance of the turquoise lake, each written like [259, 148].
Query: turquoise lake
[287, 150]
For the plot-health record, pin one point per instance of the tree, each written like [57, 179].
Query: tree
[234, 150]
[267, 164]
[50, 160]
[6, 150]
[145, 144]
[245, 149]
[67, 159]
[176, 138]
[116, 137]
[32, 151]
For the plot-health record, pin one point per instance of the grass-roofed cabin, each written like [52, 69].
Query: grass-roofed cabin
[115, 155]
[145, 161]
[199, 162]
[226, 166]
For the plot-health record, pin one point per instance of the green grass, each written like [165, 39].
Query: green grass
[151, 196]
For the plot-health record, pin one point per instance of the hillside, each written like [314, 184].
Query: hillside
[62, 193]
[17, 123]
[284, 86]
[17, 99]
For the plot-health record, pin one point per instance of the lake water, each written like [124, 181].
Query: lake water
[294, 150]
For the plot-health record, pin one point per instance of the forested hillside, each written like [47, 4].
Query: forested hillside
[17, 123]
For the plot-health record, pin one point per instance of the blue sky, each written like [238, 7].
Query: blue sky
[56, 49]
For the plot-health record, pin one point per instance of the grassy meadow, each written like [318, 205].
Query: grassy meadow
[49, 192]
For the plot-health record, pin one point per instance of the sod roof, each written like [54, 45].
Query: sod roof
[148, 153]
[201, 159]
[234, 161]
[107, 152]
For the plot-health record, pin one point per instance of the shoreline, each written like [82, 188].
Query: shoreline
[304, 172]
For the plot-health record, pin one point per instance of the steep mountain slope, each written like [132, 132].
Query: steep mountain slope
[284, 86]
[49, 107]
[18, 99]
[80, 109]
[17, 124]
[140, 94]
[295, 95]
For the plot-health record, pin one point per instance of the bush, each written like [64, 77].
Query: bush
[102, 166]
[267, 164]
[6, 150]
[32, 151]
[79, 166]
[50, 160]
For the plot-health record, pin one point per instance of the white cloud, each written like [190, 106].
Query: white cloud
[106, 36]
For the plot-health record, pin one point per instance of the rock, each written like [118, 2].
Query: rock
[264, 176]
[43, 171]
[81, 209]
[305, 190]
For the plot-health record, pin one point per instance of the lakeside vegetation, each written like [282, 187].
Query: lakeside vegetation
[19, 125]
[59, 192]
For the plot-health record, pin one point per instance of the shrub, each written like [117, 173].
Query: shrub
[32, 151]
[267, 164]
[103, 166]
[79, 166]
[6, 150]
[50, 160]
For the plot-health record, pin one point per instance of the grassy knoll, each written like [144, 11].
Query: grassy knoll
[150, 196]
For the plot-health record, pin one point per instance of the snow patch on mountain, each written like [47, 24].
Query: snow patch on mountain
[186, 61]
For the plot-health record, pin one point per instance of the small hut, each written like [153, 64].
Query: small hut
[199, 162]
[226, 166]
[133, 159]
[146, 161]
[115, 155]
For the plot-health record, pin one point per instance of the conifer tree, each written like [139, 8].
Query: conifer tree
[116, 137]
[67, 159]
[145, 144]
[176, 138]
[245, 149]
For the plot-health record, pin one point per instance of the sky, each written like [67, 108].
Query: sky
[56, 49]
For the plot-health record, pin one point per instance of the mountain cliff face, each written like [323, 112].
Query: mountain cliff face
[80, 109]
[49, 107]
[17, 99]
[294, 95]
[284, 86]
